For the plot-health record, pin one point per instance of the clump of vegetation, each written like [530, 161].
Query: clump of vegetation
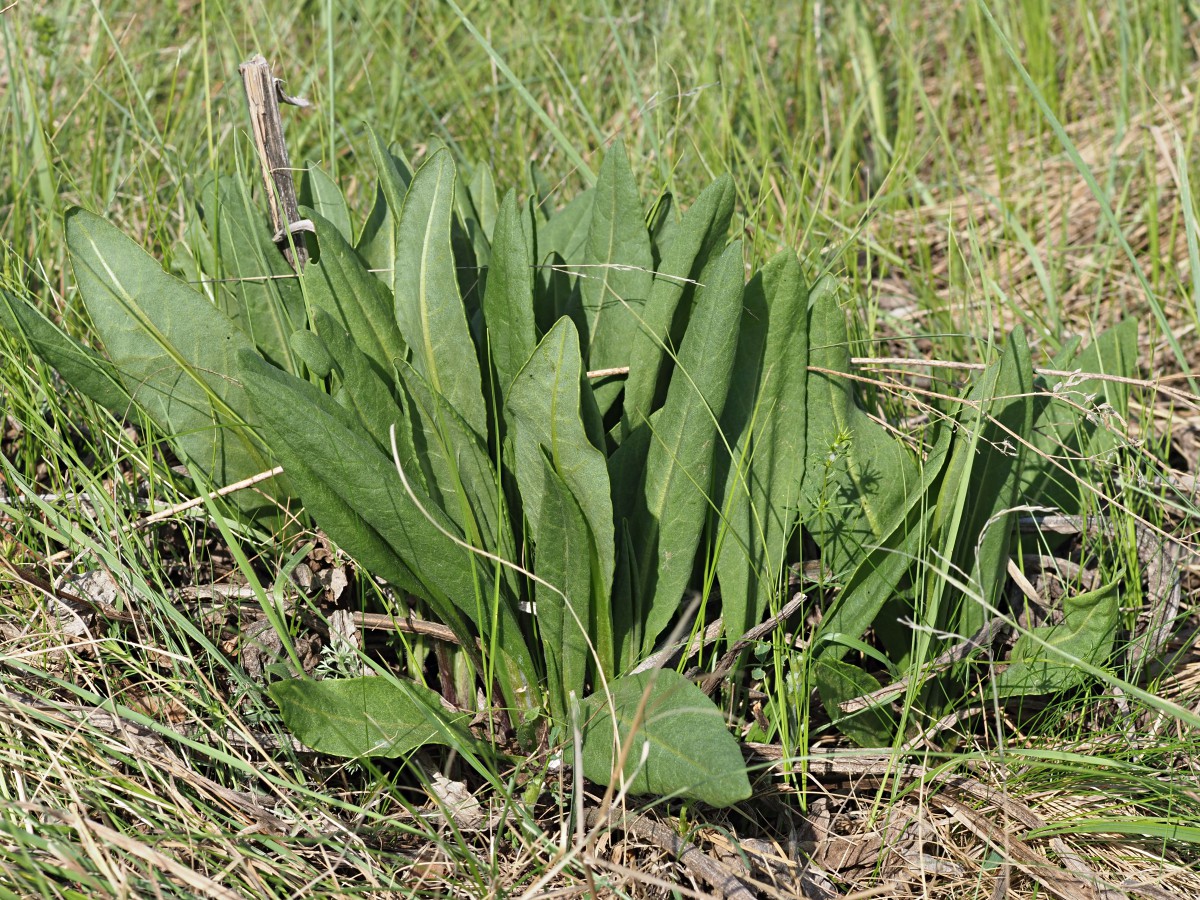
[638, 500]
[550, 432]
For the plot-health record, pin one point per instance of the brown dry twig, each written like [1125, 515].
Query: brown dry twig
[723, 881]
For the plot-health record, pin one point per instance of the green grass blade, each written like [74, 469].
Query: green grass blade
[1115, 231]
[563, 142]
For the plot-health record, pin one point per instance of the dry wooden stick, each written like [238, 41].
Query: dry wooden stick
[263, 96]
[725, 664]
[723, 881]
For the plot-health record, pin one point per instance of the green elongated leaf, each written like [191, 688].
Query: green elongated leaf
[353, 491]
[429, 308]
[544, 416]
[1064, 431]
[563, 558]
[313, 353]
[838, 681]
[361, 388]
[320, 193]
[857, 477]
[677, 489]
[662, 222]
[81, 367]
[376, 242]
[617, 269]
[541, 190]
[553, 293]
[677, 740]
[1040, 663]
[485, 199]
[362, 717]
[627, 471]
[566, 232]
[767, 418]
[508, 298]
[1115, 352]
[875, 576]
[544, 411]
[693, 249]
[175, 354]
[484, 210]
[983, 481]
[459, 468]
[256, 287]
[338, 283]
[848, 498]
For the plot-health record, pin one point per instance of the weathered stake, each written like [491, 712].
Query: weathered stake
[264, 93]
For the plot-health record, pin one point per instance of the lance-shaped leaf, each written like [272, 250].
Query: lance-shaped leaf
[81, 367]
[767, 419]
[480, 212]
[676, 493]
[673, 740]
[359, 387]
[376, 242]
[1077, 419]
[873, 578]
[1043, 660]
[458, 467]
[338, 283]
[176, 353]
[863, 499]
[838, 681]
[857, 477]
[353, 490]
[566, 232]
[484, 200]
[974, 511]
[429, 308]
[508, 298]
[617, 269]
[320, 193]
[544, 416]
[361, 717]
[695, 245]
[563, 558]
[256, 287]
[662, 221]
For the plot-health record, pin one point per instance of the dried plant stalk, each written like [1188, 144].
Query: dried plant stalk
[264, 93]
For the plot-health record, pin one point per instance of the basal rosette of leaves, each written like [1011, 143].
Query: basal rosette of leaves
[425, 385]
